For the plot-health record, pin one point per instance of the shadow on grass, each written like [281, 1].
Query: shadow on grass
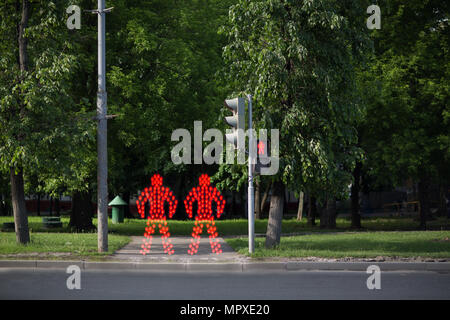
[136, 227]
[361, 245]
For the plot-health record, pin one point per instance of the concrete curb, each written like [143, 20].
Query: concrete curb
[229, 267]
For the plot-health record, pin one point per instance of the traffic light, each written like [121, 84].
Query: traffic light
[237, 121]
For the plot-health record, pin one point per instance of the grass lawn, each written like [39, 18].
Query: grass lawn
[239, 226]
[430, 244]
[59, 245]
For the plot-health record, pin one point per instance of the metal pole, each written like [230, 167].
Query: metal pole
[102, 151]
[251, 193]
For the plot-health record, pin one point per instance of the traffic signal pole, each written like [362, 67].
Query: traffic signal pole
[251, 191]
[102, 151]
[237, 139]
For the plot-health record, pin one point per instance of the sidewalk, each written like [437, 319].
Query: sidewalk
[238, 266]
[130, 258]
[131, 252]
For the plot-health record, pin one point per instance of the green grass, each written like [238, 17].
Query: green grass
[430, 244]
[239, 226]
[373, 240]
[79, 245]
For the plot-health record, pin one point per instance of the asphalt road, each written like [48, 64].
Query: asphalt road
[51, 284]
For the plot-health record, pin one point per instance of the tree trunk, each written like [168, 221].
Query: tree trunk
[424, 204]
[257, 199]
[8, 206]
[2, 207]
[51, 207]
[355, 192]
[22, 41]
[312, 210]
[273, 233]
[19, 207]
[17, 185]
[38, 205]
[233, 203]
[179, 195]
[82, 212]
[442, 210]
[300, 206]
[328, 216]
[265, 195]
[57, 207]
[323, 214]
[331, 213]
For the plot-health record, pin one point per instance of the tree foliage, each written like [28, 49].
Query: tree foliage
[406, 132]
[298, 60]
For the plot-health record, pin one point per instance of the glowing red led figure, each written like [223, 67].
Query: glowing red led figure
[204, 194]
[261, 147]
[156, 195]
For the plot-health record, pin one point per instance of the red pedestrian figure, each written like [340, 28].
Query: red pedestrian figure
[156, 195]
[204, 194]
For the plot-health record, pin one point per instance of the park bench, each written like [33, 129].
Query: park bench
[51, 222]
[8, 226]
[398, 206]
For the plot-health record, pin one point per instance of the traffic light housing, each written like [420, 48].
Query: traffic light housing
[262, 155]
[236, 121]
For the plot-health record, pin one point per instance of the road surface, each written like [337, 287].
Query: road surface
[285, 285]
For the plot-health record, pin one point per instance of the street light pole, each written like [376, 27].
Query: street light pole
[251, 192]
[102, 151]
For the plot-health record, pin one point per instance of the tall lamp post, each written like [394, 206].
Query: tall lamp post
[102, 133]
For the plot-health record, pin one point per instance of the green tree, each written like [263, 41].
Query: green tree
[37, 113]
[297, 58]
[164, 56]
[406, 132]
